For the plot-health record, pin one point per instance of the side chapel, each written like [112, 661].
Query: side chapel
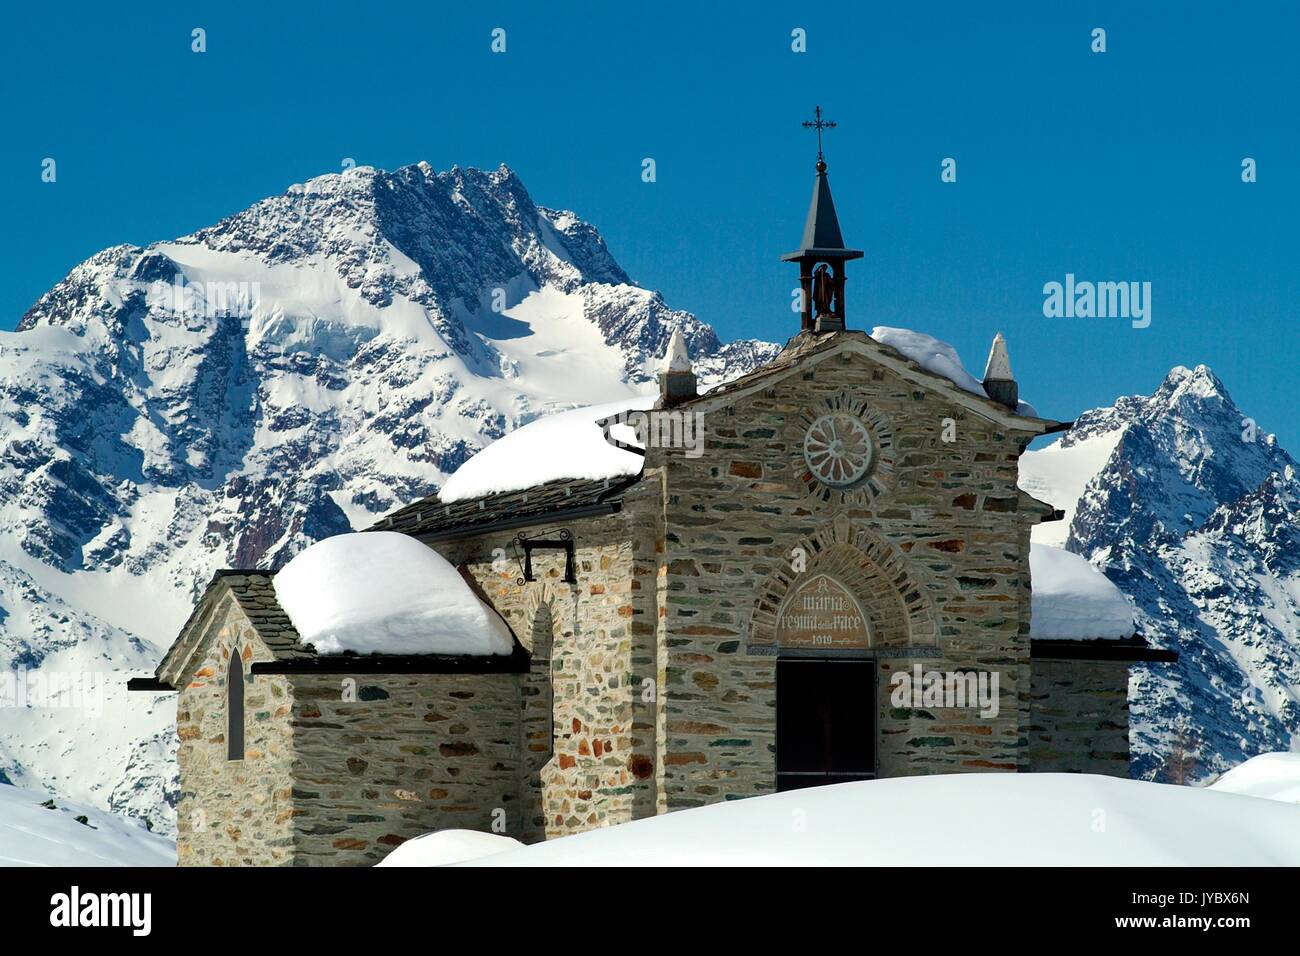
[701, 628]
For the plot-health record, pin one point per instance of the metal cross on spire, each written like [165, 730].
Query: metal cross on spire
[819, 124]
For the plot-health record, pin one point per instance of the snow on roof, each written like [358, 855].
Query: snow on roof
[570, 445]
[381, 592]
[931, 354]
[564, 445]
[1072, 600]
[937, 356]
[37, 830]
[1274, 776]
[965, 819]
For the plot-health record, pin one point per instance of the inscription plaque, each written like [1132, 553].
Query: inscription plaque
[821, 613]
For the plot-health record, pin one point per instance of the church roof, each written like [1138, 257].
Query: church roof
[1073, 600]
[911, 365]
[253, 591]
[517, 501]
[431, 519]
[1128, 650]
[384, 592]
[588, 443]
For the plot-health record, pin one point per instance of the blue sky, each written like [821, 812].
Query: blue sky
[1122, 166]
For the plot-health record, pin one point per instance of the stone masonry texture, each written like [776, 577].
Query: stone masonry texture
[1079, 717]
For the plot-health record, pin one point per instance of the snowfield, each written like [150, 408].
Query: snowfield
[35, 835]
[1001, 819]
[1271, 776]
[1059, 474]
[447, 847]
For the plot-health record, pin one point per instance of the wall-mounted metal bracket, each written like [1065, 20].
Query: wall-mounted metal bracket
[563, 541]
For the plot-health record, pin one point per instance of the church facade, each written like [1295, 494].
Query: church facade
[834, 585]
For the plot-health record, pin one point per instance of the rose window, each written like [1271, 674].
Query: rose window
[837, 449]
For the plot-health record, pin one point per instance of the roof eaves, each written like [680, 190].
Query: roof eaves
[432, 520]
[1133, 649]
[150, 684]
[516, 662]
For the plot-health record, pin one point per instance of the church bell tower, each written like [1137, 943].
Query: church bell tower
[821, 254]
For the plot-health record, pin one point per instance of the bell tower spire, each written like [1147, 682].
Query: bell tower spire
[821, 254]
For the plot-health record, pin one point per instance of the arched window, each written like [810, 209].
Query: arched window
[235, 707]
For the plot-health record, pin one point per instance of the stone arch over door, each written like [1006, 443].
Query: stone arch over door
[873, 570]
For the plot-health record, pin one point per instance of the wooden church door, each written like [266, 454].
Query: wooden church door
[825, 721]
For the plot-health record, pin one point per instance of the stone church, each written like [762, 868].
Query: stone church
[717, 621]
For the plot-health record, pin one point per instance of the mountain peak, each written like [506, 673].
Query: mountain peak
[446, 243]
[1159, 465]
[1200, 382]
[449, 293]
[1191, 512]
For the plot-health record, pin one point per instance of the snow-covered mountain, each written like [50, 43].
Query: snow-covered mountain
[1195, 514]
[38, 830]
[295, 371]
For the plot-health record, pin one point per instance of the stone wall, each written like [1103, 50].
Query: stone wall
[382, 758]
[939, 521]
[1079, 717]
[338, 769]
[233, 812]
[343, 768]
[595, 661]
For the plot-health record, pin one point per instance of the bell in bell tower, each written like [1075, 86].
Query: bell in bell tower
[821, 254]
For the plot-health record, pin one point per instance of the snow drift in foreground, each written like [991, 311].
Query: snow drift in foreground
[1001, 819]
[32, 834]
[449, 846]
[1271, 776]
[381, 592]
[1073, 600]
